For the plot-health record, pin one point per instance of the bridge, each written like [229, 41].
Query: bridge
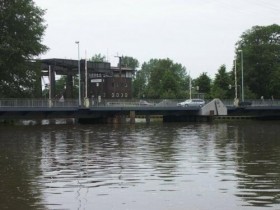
[117, 110]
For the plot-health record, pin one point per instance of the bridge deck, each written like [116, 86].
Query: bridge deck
[44, 108]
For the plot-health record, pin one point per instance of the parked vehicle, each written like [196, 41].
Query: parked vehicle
[145, 103]
[166, 102]
[192, 102]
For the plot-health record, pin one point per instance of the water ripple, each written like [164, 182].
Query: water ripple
[134, 167]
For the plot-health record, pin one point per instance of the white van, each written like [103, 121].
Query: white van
[192, 102]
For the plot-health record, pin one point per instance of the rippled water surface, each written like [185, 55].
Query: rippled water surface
[157, 166]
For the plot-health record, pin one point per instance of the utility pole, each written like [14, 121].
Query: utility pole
[242, 77]
[190, 84]
[79, 73]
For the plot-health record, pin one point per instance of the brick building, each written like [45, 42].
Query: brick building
[98, 79]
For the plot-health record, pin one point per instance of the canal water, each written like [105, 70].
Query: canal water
[173, 166]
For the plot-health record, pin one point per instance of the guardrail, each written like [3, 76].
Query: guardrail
[47, 103]
[37, 103]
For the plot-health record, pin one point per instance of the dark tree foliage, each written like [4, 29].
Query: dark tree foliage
[220, 87]
[160, 78]
[98, 58]
[203, 82]
[261, 54]
[21, 30]
[129, 62]
[139, 85]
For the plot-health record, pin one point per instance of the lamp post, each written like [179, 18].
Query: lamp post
[235, 79]
[190, 84]
[242, 77]
[79, 72]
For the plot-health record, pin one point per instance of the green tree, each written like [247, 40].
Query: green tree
[203, 82]
[220, 87]
[161, 78]
[21, 31]
[139, 85]
[261, 55]
[60, 88]
[142, 78]
[129, 62]
[98, 58]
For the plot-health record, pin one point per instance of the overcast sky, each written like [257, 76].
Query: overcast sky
[199, 34]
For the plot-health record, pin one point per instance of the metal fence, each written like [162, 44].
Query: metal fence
[44, 103]
[37, 103]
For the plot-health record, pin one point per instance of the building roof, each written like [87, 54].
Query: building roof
[70, 67]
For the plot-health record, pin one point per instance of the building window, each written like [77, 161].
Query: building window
[95, 75]
[128, 74]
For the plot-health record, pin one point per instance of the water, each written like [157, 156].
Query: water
[159, 166]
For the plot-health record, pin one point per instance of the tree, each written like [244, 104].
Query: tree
[160, 78]
[139, 85]
[142, 78]
[21, 30]
[98, 58]
[261, 54]
[60, 88]
[129, 62]
[203, 82]
[220, 88]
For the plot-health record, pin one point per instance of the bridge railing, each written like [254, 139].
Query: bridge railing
[37, 103]
[44, 103]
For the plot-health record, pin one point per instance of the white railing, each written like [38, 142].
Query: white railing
[47, 103]
[44, 103]
[37, 103]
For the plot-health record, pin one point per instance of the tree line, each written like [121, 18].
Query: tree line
[22, 28]
[258, 48]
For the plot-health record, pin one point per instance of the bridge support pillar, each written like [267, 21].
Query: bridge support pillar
[50, 102]
[148, 118]
[132, 117]
[86, 102]
[119, 119]
[52, 83]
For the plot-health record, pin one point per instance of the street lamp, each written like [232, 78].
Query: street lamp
[235, 80]
[79, 72]
[190, 84]
[242, 77]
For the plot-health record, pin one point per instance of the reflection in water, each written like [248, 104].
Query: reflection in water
[259, 164]
[160, 166]
[20, 168]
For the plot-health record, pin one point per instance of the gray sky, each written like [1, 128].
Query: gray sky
[199, 34]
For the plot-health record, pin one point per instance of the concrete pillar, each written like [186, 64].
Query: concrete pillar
[123, 119]
[52, 82]
[132, 117]
[116, 119]
[148, 118]
[119, 119]
[86, 102]
[50, 102]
